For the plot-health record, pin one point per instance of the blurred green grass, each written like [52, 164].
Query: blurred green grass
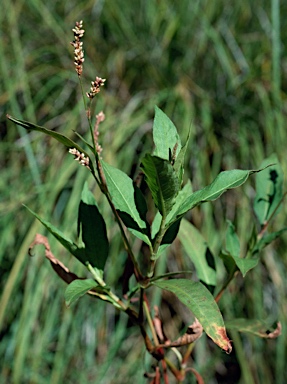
[217, 67]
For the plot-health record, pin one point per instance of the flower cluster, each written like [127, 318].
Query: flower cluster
[78, 47]
[80, 157]
[95, 88]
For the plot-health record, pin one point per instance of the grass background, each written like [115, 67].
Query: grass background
[216, 66]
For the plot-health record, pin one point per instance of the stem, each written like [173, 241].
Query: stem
[187, 354]
[141, 305]
[176, 372]
[150, 323]
[88, 112]
[164, 368]
[103, 186]
[225, 285]
[117, 301]
[156, 246]
[96, 275]
[127, 246]
[147, 340]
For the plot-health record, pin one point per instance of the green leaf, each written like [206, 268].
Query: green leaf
[182, 196]
[231, 241]
[173, 227]
[269, 191]
[233, 250]
[255, 327]
[199, 253]
[169, 235]
[77, 289]
[228, 262]
[162, 182]
[245, 264]
[128, 201]
[224, 181]
[84, 140]
[201, 302]
[56, 135]
[93, 231]
[165, 136]
[267, 239]
[63, 239]
[179, 161]
[80, 253]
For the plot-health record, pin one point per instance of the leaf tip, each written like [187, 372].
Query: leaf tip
[276, 332]
[223, 342]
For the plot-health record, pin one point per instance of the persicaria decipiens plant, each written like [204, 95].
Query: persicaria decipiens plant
[163, 171]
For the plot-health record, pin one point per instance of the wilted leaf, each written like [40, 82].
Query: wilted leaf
[256, 327]
[62, 270]
[201, 302]
[57, 265]
[193, 333]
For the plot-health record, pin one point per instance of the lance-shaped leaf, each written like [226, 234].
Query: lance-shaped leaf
[79, 288]
[59, 235]
[56, 135]
[165, 136]
[268, 189]
[179, 161]
[72, 247]
[128, 201]
[255, 327]
[233, 251]
[162, 181]
[199, 253]
[224, 181]
[267, 239]
[92, 228]
[201, 302]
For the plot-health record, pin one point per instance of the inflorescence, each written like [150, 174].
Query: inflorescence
[80, 157]
[78, 47]
[94, 90]
[96, 87]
